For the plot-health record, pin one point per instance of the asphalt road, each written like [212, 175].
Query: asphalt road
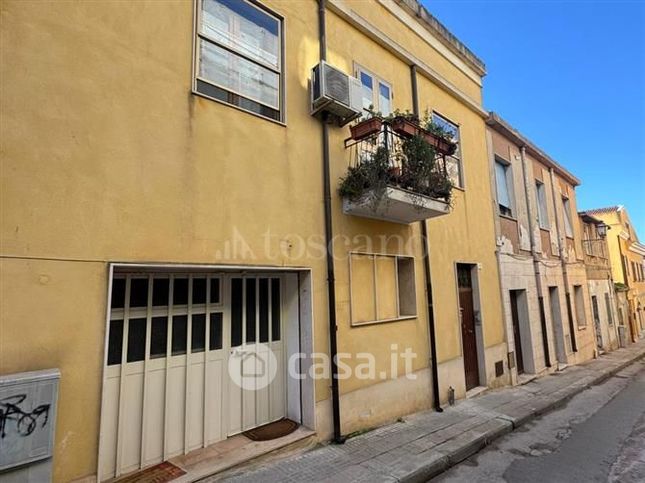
[598, 436]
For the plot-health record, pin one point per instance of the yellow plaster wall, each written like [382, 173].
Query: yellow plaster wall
[375, 13]
[53, 316]
[107, 156]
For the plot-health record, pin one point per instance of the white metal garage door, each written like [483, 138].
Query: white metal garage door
[174, 341]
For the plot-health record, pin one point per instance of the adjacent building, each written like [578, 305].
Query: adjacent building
[539, 247]
[600, 282]
[627, 256]
[170, 209]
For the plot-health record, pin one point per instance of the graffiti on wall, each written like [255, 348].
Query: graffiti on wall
[24, 421]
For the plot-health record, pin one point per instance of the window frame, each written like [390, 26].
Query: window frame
[281, 72]
[543, 209]
[376, 80]
[567, 218]
[459, 159]
[400, 317]
[508, 170]
[579, 301]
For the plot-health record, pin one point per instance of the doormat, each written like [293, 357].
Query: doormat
[156, 474]
[274, 430]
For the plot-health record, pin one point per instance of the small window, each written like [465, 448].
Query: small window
[276, 309]
[215, 331]
[568, 226]
[158, 337]
[454, 162]
[377, 93]
[382, 288]
[239, 56]
[118, 293]
[115, 342]
[198, 333]
[160, 291]
[580, 305]
[199, 291]
[138, 292]
[250, 309]
[543, 214]
[503, 180]
[136, 340]
[180, 291]
[264, 309]
[179, 334]
[236, 312]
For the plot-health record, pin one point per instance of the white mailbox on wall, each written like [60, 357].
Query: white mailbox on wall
[28, 403]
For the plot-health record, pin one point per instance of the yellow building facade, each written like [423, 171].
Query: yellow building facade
[159, 222]
[627, 257]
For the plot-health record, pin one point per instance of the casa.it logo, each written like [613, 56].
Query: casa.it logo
[252, 370]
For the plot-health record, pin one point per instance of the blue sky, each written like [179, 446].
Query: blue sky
[569, 75]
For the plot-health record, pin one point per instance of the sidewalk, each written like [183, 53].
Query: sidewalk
[426, 444]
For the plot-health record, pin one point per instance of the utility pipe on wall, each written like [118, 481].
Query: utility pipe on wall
[436, 400]
[565, 273]
[536, 262]
[331, 279]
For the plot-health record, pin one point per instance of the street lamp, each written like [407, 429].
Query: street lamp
[602, 230]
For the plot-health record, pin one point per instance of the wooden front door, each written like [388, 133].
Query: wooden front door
[468, 336]
[517, 337]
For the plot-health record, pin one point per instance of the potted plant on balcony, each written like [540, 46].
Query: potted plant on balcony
[367, 126]
[372, 175]
[440, 186]
[405, 123]
[439, 137]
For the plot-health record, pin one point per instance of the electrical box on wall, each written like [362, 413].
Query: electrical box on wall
[28, 403]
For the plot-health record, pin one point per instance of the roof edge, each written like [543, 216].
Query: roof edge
[587, 218]
[496, 122]
[444, 35]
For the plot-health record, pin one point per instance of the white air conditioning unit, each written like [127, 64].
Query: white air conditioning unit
[335, 93]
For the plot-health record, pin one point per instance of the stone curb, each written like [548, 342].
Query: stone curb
[452, 455]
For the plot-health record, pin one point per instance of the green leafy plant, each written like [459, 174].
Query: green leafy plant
[620, 287]
[411, 168]
[371, 174]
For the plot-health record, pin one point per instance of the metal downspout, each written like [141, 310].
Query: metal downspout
[331, 280]
[498, 253]
[436, 400]
[565, 273]
[536, 261]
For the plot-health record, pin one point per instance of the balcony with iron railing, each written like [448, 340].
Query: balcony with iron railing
[595, 253]
[397, 171]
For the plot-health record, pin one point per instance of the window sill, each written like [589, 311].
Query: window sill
[384, 321]
[582, 327]
[508, 217]
[233, 106]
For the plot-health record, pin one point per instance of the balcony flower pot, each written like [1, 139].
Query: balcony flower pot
[404, 127]
[366, 128]
[439, 143]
